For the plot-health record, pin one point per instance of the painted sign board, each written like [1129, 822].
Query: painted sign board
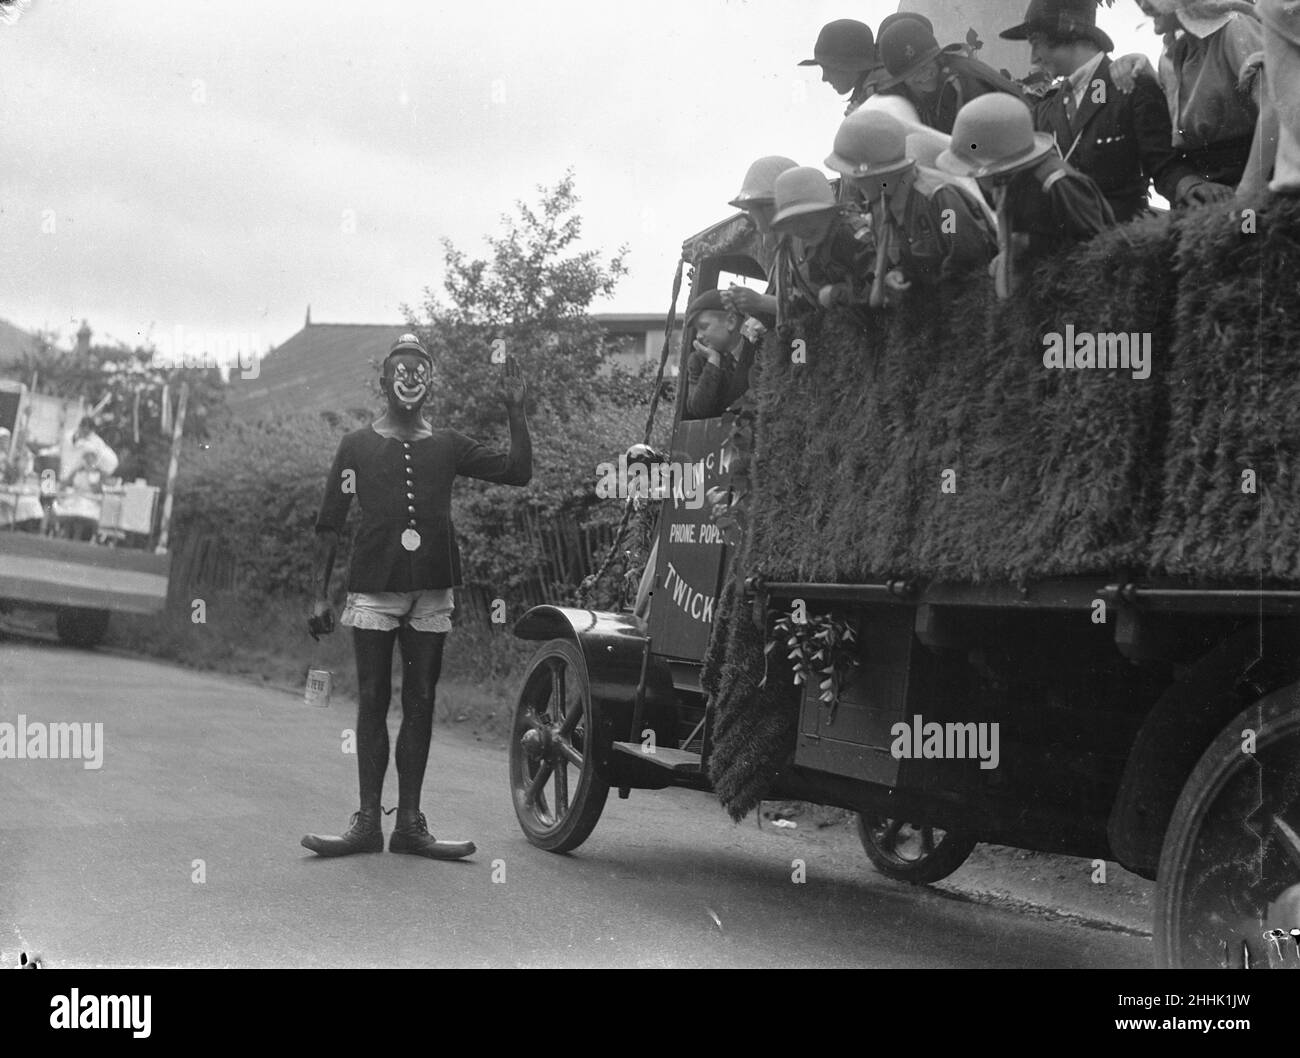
[692, 551]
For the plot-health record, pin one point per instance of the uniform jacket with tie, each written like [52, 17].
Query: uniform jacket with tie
[1124, 142]
[841, 257]
[936, 230]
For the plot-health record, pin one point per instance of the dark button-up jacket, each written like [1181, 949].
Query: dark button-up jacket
[1124, 142]
[402, 485]
[712, 389]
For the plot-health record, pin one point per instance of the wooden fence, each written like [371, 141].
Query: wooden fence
[568, 550]
[200, 561]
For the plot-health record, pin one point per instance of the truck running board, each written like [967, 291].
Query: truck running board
[674, 760]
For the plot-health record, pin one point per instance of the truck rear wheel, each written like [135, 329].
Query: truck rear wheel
[557, 794]
[81, 628]
[909, 852]
[1230, 864]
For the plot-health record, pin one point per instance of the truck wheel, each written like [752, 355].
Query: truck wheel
[1230, 864]
[906, 852]
[557, 794]
[81, 628]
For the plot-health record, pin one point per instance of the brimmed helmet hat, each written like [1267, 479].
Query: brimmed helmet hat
[1061, 18]
[870, 143]
[801, 191]
[760, 180]
[847, 43]
[993, 134]
[905, 47]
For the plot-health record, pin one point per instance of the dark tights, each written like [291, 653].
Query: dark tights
[421, 666]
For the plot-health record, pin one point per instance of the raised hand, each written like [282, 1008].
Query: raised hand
[513, 387]
[743, 300]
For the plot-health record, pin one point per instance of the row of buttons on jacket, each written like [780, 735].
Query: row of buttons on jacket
[410, 485]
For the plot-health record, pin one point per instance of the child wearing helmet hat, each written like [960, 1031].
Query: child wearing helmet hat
[927, 228]
[757, 198]
[829, 264]
[846, 52]
[1044, 204]
[938, 80]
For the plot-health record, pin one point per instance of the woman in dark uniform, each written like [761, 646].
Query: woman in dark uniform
[405, 564]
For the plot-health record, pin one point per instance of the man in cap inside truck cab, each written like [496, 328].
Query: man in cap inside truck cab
[757, 199]
[717, 373]
[1044, 204]
[927, 228]
[939, 81]
[828, 262]
[1124, 142]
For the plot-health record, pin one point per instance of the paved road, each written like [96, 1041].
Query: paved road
[97, 866]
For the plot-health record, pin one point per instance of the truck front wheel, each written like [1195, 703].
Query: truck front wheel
[557, 794]
[1228, 887]
[81, 628]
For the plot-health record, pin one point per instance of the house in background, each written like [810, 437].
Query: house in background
[324, 367]
[329, 366]
[646, 335]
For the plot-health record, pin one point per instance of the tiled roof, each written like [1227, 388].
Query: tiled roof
[325, 366]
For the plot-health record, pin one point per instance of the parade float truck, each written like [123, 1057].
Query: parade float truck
[984, 591]
[125, 564]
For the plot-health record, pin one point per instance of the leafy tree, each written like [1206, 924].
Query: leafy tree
[529, 299]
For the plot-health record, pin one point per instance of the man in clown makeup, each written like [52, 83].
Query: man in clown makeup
[405, 564]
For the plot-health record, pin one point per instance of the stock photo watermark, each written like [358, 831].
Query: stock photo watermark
[638, 480]
[1105, 351]
[920, 740]
[36, 740]
[209, 351]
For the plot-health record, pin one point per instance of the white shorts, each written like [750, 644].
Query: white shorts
[425, 611]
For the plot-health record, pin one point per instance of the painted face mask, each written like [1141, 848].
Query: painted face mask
[409, 381]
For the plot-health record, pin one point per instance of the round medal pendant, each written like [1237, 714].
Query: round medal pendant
[411, 540]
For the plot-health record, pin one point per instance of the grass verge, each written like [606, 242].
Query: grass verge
[243, 633]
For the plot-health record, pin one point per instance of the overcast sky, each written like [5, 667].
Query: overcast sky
[218, 165]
